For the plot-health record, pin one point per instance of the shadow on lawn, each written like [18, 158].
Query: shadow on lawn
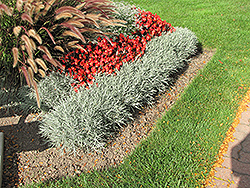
[241, 163]
[20, 134]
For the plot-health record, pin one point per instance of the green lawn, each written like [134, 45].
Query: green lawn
[182, 149]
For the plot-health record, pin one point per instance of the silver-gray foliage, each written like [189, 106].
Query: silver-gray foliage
[17, 99]
[59, 87]
[126, 12]
[87, 118]
[52, 88]
[7, 98]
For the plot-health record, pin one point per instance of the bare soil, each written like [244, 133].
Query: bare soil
[28, 159]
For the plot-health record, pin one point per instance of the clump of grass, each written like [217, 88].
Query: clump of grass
[34, 34]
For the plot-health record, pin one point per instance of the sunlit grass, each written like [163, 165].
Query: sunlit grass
[183, 147]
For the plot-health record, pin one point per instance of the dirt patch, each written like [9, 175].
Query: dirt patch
[27, 158]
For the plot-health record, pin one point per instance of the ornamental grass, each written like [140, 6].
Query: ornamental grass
[34, 34]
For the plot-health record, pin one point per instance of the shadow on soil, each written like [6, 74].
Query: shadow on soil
[19, 135]
[241, 162]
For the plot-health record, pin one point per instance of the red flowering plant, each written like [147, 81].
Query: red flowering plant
[107, 56]
[150, 25]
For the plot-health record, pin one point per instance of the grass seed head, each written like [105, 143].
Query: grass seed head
[59, 48]
[26, 75]
[79, 7]
[27, 7]
[26, 39]
[38, 38]
[75, 23]
[63, 15]
[6, 9]
[47, 7]
[38, 7]
[31, 11]
[38, 15]
[78, 47]
[30, 1]
[37, 94]
[42, 73]
[15, 56]
[33, 44]
[26, 17]
[41, 63]
[17, 30]
[71, 34]
[69, 9]
[72, 43]
[23, 47]
[45, 50]
[31, 73]
[29, 50]
[19, 5]
[32, 64]
[52, 61]
[33, 34]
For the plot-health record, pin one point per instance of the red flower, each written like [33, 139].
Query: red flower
[93, 70]
[110, 71]
[80, 78]
[109, 57]
[148, 37]
[87, 71]
[82, 63]
[75, 89]
[90, 81]
[90, 77]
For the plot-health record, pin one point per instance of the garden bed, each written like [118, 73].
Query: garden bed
[28, 159]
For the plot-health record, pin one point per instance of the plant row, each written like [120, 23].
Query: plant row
[88, 118]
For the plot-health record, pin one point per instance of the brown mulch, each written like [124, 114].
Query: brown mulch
[28, 159]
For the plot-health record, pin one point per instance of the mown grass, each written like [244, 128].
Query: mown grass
[183, 147]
